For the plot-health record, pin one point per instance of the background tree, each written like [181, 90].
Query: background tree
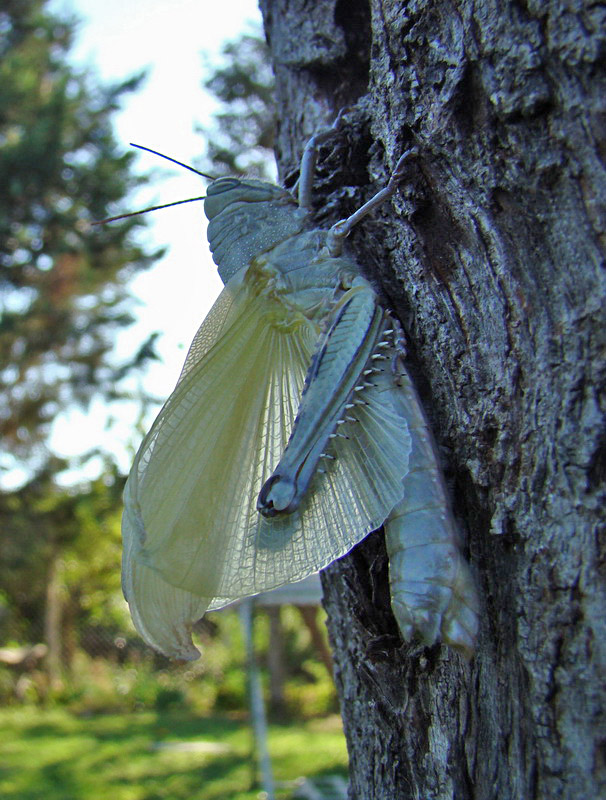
[59, 553]
[493, 257]
[64, 297]
[62, 287]
[240, 138]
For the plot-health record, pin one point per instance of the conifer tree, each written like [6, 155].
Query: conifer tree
[63, 285]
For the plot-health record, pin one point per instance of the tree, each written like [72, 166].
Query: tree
[63, 287]
[241, 137]
[59, 551]
[64, 295]
[492, 255]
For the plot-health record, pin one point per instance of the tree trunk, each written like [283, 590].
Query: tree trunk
[492, 254]
[52, 621]
[309, 615]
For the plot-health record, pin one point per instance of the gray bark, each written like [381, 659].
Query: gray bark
[492, 254]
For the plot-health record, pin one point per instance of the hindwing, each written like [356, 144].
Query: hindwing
[194, 539]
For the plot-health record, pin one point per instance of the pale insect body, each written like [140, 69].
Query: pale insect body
[289, 436]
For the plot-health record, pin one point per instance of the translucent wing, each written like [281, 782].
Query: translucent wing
[193, 536]
[161, 613]
[186, 493]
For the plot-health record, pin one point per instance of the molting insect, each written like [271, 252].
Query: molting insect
[292, 433]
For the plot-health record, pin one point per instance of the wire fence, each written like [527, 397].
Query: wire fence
[72, 658]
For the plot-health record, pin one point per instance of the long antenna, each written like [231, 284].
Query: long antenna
[145, 210]
[164, 205]
[174, 160]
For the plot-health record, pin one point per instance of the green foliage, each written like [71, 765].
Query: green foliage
[154, 755]
[40, 523]
[63, 288]
[241, 139]
[125, 677]
[313, 695]
[63, 298]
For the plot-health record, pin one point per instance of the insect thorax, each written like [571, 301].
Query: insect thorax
[301, 273]
[243, 230]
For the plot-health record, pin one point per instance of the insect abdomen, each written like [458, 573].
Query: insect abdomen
[432, 590]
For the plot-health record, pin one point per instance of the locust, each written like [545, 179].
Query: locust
[294, 431]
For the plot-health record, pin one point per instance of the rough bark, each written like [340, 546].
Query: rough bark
[493, 257]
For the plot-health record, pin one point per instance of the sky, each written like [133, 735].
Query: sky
[119, 38]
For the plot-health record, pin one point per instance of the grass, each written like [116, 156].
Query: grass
[55, 755]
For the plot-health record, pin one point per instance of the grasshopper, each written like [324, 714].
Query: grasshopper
[292, 433]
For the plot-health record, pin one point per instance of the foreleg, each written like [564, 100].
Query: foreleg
[309, 158]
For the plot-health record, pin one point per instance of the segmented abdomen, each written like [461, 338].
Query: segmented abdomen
[432, 590]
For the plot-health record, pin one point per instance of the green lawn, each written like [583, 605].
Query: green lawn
[54, 755]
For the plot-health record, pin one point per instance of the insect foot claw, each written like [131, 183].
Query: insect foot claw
[406, 156]
[342, 113]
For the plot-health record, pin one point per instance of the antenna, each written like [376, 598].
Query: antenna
[145, 210]
[164, 205]
[174, 160]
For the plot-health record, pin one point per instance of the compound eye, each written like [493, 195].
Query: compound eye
[222, 185]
